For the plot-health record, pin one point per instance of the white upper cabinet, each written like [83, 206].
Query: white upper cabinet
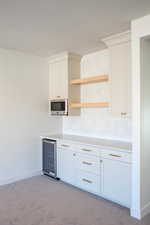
[58, 79]
[120, 57]
[63, 68]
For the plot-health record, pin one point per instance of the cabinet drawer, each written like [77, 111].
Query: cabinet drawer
[89, 182]
[90, 150]
[64, 144]
[116, 155]
[88, 163]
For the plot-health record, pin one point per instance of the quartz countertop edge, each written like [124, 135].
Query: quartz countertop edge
[97, 142]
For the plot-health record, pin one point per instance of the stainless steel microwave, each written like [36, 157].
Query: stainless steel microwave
[58, 107]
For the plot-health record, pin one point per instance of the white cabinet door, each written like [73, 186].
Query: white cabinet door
[58, 80]
[121, 79]
[116, 181]
[67, 170]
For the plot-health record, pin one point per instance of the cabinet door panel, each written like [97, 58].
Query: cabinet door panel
[67, 172]
[116, 181]
[121, 79]
[58, 80]
[51, 82]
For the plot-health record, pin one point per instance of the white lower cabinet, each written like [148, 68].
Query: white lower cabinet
[67, 165]
[116, 181]
[107, 173]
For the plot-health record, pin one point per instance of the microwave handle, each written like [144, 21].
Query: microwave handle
[49, 106]
[66, 106]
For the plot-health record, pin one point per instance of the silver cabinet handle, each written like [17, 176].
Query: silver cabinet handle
[123, 113]
[87, 163]
[86, 180]
[118, 156]
[58, 96]
[86, 150]
[65, 145]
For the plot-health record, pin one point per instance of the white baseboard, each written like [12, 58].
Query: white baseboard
[135, 213]
[18, 178]
[145, 210]
[139, 214]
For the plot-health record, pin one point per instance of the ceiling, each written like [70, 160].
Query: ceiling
[46, 27]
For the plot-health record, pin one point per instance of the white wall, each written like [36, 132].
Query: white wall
[141, 120]
[23, 114]
[95, 121]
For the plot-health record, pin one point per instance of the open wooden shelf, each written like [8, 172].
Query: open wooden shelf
[88, 105]
[100, 78]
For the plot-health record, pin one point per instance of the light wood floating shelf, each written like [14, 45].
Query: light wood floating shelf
[100, 78]
[90, 105]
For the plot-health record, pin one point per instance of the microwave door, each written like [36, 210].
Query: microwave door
[58, 107]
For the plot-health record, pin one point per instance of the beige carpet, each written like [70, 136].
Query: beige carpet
[44, 201]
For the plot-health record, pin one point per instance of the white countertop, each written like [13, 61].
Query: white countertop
[116, 144]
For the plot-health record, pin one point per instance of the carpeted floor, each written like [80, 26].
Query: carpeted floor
[44, 201]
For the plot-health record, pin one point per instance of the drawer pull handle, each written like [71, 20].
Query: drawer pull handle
[87, 163]
[86, 150]
[118, 156]
[65, 146]
[88, 181]
[123, 113]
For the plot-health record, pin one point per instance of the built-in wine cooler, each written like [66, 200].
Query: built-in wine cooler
[49, 158]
